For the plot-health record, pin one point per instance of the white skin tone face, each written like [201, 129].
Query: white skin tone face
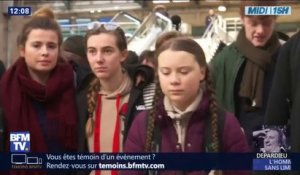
[41, 53]
[271, 141]
[179, 80]
[258, 30]
[105, 59]
[104, 56]
[211, 12]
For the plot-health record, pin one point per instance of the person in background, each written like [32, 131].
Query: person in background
[284, 102]
[74, 45]
[147, 58]
[176, 21]
[42, 88]
[243, 71]
[182, 109]
[210, 18]
[73, 52]
[161, 9]
[113, 98]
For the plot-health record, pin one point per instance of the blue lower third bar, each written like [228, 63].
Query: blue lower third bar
[272, 164]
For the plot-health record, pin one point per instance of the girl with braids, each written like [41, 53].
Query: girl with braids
[37, 92]
[183, 109]
[113, 95]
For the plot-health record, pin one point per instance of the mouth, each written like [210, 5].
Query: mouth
[177, 91]
[101, 69]
[44, 62]
[260, 38]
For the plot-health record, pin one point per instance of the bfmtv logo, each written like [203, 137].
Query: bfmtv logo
[19, 142]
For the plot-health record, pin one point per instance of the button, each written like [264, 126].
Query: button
[189, 145]
[178, 146]
[159, 116]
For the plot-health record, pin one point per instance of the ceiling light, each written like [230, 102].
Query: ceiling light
[160, 1]
[222, 8]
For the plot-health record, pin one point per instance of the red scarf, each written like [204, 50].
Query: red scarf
[18, 91]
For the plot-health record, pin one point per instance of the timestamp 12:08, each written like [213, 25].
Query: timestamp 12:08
[19, 11]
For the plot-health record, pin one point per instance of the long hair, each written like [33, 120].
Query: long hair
[94, 86]
[190, 46]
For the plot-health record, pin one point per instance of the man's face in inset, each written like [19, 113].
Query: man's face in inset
[258, 29]
[271, 141]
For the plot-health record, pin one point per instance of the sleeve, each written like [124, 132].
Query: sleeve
[214, 65]
[234, 140]
[277, 112]
[136, 139]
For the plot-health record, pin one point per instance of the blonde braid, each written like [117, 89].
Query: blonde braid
[93, 90]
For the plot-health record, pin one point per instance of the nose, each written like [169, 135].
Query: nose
[260, 29]
[175, 80]
[44, 51]
[100, 58]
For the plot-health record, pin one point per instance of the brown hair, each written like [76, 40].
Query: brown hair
[94, 86]
[166, 37]
[245, 3]
[190, 46]
[147, 55]
[44, 19]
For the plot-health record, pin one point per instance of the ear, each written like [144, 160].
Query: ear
[124, 55]
[202, 74]
[22, 51]
[243, 20]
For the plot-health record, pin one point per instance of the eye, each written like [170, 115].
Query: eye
[52, 46]
[91, 51]
[165, 71]
[184, 71]
[108, 50]
[36, 45]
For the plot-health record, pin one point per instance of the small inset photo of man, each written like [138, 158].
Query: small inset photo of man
[271, 139]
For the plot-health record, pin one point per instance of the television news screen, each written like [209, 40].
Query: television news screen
[91, 116]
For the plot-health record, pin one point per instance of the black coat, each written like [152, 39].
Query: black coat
[284, 101]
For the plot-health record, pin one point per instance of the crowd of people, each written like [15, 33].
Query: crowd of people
[90, 94]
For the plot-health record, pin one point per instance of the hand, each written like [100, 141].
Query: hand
[260, 133]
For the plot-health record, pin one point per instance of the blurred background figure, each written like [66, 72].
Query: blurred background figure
[176, 21]
[147, 58]
[73, 52]
[73, 49]
[161, 9]
[210, 17]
